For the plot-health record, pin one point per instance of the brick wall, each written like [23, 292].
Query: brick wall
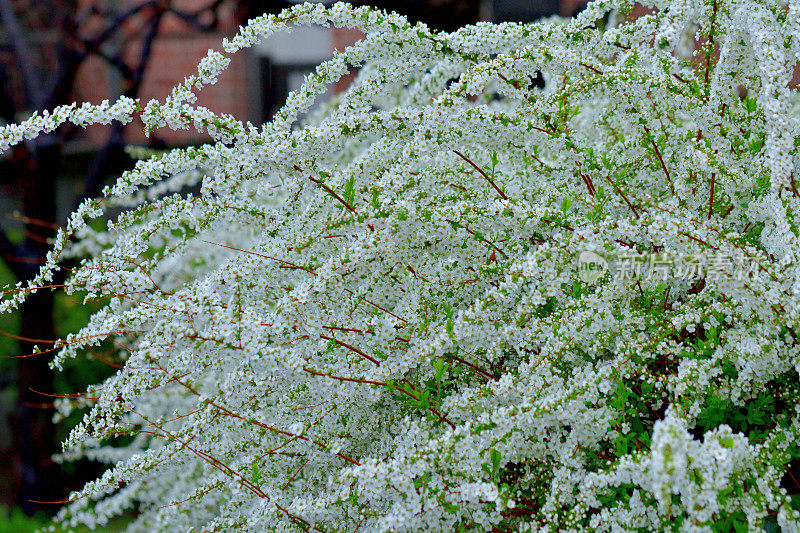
[176, 51]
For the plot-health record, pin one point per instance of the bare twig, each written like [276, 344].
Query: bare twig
[482, 173]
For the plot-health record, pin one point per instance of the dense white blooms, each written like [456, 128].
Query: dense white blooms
[375, 319]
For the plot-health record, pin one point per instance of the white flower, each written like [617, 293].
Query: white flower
[373, 319]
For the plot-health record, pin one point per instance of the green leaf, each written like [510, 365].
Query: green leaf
[422, 480]
[621, 446]
[494, 456]
[576, 289]
[755, 145]
[438, 366]
[620, 397]
[450, 508]
[349, 190]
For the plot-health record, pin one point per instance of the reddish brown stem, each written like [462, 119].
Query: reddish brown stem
[700, 241]
[478, 369]
[286, 264]
[329, 191]
[661, 160]
[482, 173]
[351, 348]
[619, 191]
[711, 196]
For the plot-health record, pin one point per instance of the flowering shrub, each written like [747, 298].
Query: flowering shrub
[379, 319]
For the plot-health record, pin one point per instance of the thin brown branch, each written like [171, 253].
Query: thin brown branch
[482, 173]
[476, 368]
[329, 191]
[351, 348]
[660, 159]
[711, 196]
[622, 194]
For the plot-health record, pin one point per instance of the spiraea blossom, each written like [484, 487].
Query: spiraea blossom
[450, 300]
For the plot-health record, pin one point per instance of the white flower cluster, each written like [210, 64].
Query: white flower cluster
[374, 320]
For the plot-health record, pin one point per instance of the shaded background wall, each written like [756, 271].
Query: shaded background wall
[55, 52]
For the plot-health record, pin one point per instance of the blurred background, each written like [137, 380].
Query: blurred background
[55, 52]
